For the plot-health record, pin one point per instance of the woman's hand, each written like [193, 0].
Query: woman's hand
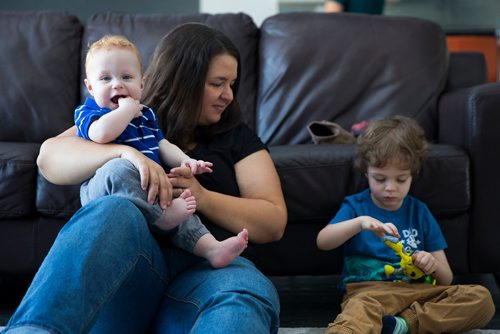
[153, 177]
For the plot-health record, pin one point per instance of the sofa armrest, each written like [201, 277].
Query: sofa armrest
[470, 118]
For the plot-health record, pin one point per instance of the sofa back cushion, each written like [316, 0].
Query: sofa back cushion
[145, 31]
[39, 61]
[346, 68]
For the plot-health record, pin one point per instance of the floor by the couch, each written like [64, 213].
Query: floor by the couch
[310, 330]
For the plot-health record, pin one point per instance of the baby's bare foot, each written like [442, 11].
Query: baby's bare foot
[227, 250]
[178, 211]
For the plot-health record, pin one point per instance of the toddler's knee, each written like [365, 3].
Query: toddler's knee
[118, 166]
[114, 176]
[487, 306]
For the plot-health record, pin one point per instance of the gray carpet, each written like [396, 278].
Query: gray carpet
[311, 330]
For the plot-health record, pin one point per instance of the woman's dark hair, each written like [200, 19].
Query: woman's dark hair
[175, 82]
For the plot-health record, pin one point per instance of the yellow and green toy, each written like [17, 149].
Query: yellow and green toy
[407, 268]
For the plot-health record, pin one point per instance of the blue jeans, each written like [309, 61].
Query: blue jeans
[105, 273]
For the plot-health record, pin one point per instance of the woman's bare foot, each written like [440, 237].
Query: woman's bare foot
[221, 253]
[179, 210]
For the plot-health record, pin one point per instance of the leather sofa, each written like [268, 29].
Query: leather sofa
[296, 68]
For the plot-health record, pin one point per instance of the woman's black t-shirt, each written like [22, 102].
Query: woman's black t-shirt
[224, 151]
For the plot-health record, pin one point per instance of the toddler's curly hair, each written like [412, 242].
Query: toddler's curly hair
[397, 138]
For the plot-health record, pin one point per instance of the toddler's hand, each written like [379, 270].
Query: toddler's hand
[425, 261]
[131, 104]
[376, 226]
[198, 166]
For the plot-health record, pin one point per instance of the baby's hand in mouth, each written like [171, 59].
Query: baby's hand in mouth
[115, 98]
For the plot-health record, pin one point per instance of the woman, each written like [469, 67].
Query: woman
[106, 272]
[355, 6]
